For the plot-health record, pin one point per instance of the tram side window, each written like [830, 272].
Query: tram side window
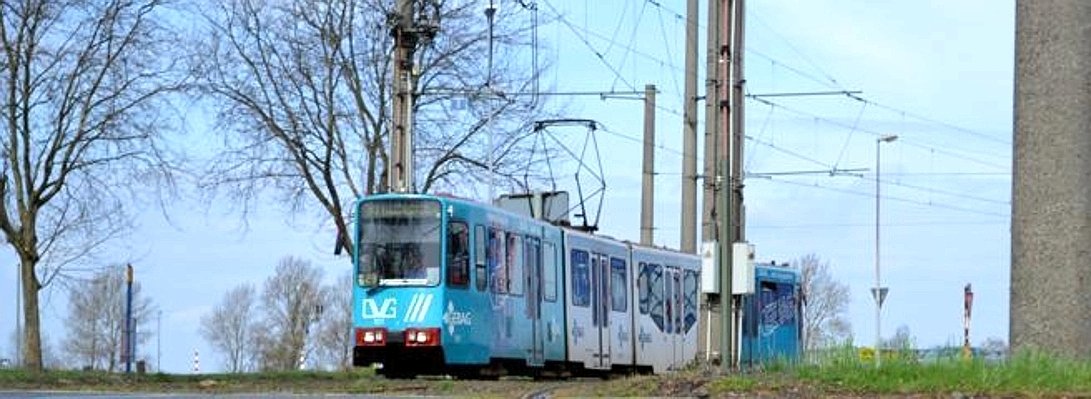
[644, 287]
[656, 303]
[532, 255]
[674, 308]
[581, 279]
[515, 264]
[495, 258]
[458, 254]
[480, 270]
[619, 287]
[549, 273]
[691, 300]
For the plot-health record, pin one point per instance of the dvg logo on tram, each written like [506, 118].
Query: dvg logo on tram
[372, 310]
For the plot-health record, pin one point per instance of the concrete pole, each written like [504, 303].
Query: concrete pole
[688, 242]
[709, 336]
[736, 231]
[723, 203]
[400, 170]
[712, 121]
[1051, 204]
[738, 123]
[647, 198]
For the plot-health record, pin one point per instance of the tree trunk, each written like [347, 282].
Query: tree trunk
[32, 333]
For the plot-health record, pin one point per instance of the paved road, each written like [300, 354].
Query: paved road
[128, 395]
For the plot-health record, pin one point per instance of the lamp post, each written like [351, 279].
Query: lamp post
[879, 292]
[130, 344]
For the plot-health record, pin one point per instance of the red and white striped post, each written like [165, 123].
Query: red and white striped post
[968, 304]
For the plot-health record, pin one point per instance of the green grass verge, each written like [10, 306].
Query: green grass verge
[839, 374]
[1025, 375]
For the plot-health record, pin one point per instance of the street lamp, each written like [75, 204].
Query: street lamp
[879, 292]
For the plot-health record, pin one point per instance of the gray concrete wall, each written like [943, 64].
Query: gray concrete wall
[1051, 204]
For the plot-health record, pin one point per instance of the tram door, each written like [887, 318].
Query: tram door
[674, 300]
[533, 271]
[600, 309]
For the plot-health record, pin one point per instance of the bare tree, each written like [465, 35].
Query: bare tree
[335, 327]
[96, 319]
[231, 326]
[995, 348]
[902, 340]
[50, 358]
[290, 302]
[82, 84]
[304, 88]
[825, 304]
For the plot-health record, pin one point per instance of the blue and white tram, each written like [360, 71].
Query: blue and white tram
[666, 322]
[450, 286]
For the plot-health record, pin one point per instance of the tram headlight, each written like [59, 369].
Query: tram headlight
[370, 336]
[422, 337]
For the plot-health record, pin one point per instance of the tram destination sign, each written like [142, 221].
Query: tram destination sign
[412, 209]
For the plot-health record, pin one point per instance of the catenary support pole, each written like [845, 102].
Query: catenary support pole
[737, 230]
[710, 303]
[647, 197]
[723, 203]
[400, 171]
[688, 240]
[712, 123]
[738, 123]
[1051, 182]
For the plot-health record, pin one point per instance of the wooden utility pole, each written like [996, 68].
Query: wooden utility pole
[647, 198]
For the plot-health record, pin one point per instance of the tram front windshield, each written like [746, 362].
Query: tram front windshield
[399, 243]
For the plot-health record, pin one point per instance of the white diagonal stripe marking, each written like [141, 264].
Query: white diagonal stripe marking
[412, 306]
[420, 305]
[424, 308]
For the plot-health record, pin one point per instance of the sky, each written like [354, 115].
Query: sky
[936, 73]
